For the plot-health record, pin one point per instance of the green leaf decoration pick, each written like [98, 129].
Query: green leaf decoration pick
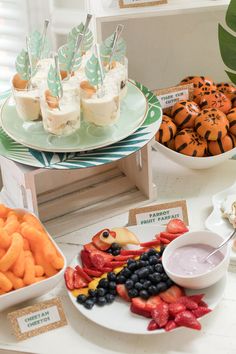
[68, 60]
[54, 82]
[88, 37]
[227, 41]
[35, 43]
[106, 49]
[93, 72]
[23, 65]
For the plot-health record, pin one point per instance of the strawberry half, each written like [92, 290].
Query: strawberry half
[187, 319]
[85, 259]
[139, 311]
[79, 281]
[139, 303]
[175, 308]
[188, 303]
[176, 226]
[161, 314]
[201, 311]
[121, 290]
[172, 294]
[197, 297]
[152, 302]
[152, 326]
[68, 276]
[170, 325]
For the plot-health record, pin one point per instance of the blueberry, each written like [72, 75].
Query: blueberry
[146, 284]
[143, 264]
[129, 284]
[153, 260]
[134, 277]
[111, 276]
[164, 276]
[151, 278]
[115, 246]
[133, 293]
[88, 304]
[161, 286]
[159, 268]
[126, 272]
[101, 301]
[138, 286]
[113, 292]
[121, 279]
[101, 292]
[92, 292]
[105, 234]
[139, 264]
[109, 250]
[156, 277]
[151, 269]
[81, 298]
[151, 252]
[144, 294]
[110, 298]
[132, 266]
[152, 290]
[103, 283]
[116, 253]
[112, 285]
[92, 298]
[142, 281]
[169, 283]
[131, 261]
[144, 257]
[143, 273]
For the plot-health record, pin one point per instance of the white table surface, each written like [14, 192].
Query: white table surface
[218, 335]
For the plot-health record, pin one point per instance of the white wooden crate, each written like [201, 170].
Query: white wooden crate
[67, 200]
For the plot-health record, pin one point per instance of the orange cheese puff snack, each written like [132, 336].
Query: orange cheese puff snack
[51, 255]
[5, 283]
[18, 267]
[29, 275]
[16, 281]
[39, 270]
[11, 226]
[2, 292]
[2, 252]
[48, 268]
[33, 221]
[12, 253]
[5, 239]
[26, 245]
[2, 222]
[34, 236]
[3, 211]
[11, 216]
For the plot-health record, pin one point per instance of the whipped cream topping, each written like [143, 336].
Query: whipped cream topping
[229, 209]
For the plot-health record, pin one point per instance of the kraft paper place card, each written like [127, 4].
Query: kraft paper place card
[140, 3]
[39, 318]
[159, 214]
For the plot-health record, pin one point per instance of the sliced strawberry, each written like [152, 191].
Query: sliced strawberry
[152, 302]
[150, 243]
[121, 290]
[101, 245]
[89, 247]
[85, 259]
[201, 311]
[169, 236]
[140, 311]
[187, 319]
[164, 241]
[115, 264]
[202, 304]
[172, 294]
[68, 276]
[139, 303]
[176, 226]
[188, 303]
[83, 274]
[170, 325]
[197, 297]
[79, 281]
[98, 261]
[133, 252]
[175, 308]
[92, 272]
[152, 326]
[123, 258]
[161, 314]
[106, 269]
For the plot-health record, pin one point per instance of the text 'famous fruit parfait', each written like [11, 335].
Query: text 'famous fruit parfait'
[104, 85]
[32, 67]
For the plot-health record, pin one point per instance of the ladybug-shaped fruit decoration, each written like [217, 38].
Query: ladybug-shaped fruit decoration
[184, 113]
[228, 89]
[215, 99]
[212, 124]
[188, 142]
[104, 238]
[222, 145]
[231, 116]
[167, 130]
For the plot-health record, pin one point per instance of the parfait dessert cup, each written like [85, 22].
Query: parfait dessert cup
[118, 71]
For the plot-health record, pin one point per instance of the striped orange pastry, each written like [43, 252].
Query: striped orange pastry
[212, 124]
[189, 142]
[167, 130]
[184, 113]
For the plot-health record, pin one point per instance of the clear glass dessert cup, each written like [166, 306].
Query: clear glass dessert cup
[118, 71]
[61, 117]
[27, 103]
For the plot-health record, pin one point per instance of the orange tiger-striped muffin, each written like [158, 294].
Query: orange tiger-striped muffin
[189, 142]
[167, 130]
[212, 124]
[231, 116]
[228, 89]
[215, 99]
[184, 113]
[228, 142]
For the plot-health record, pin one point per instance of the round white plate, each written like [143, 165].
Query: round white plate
[118, 316]
[215, 222]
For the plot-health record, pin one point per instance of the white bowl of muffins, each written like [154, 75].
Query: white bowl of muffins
[201, 133]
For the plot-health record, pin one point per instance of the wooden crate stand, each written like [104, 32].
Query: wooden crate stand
[66, 200]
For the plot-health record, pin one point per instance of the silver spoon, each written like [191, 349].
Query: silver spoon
[220, 246]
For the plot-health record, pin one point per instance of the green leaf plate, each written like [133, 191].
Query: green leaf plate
[72, 160]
